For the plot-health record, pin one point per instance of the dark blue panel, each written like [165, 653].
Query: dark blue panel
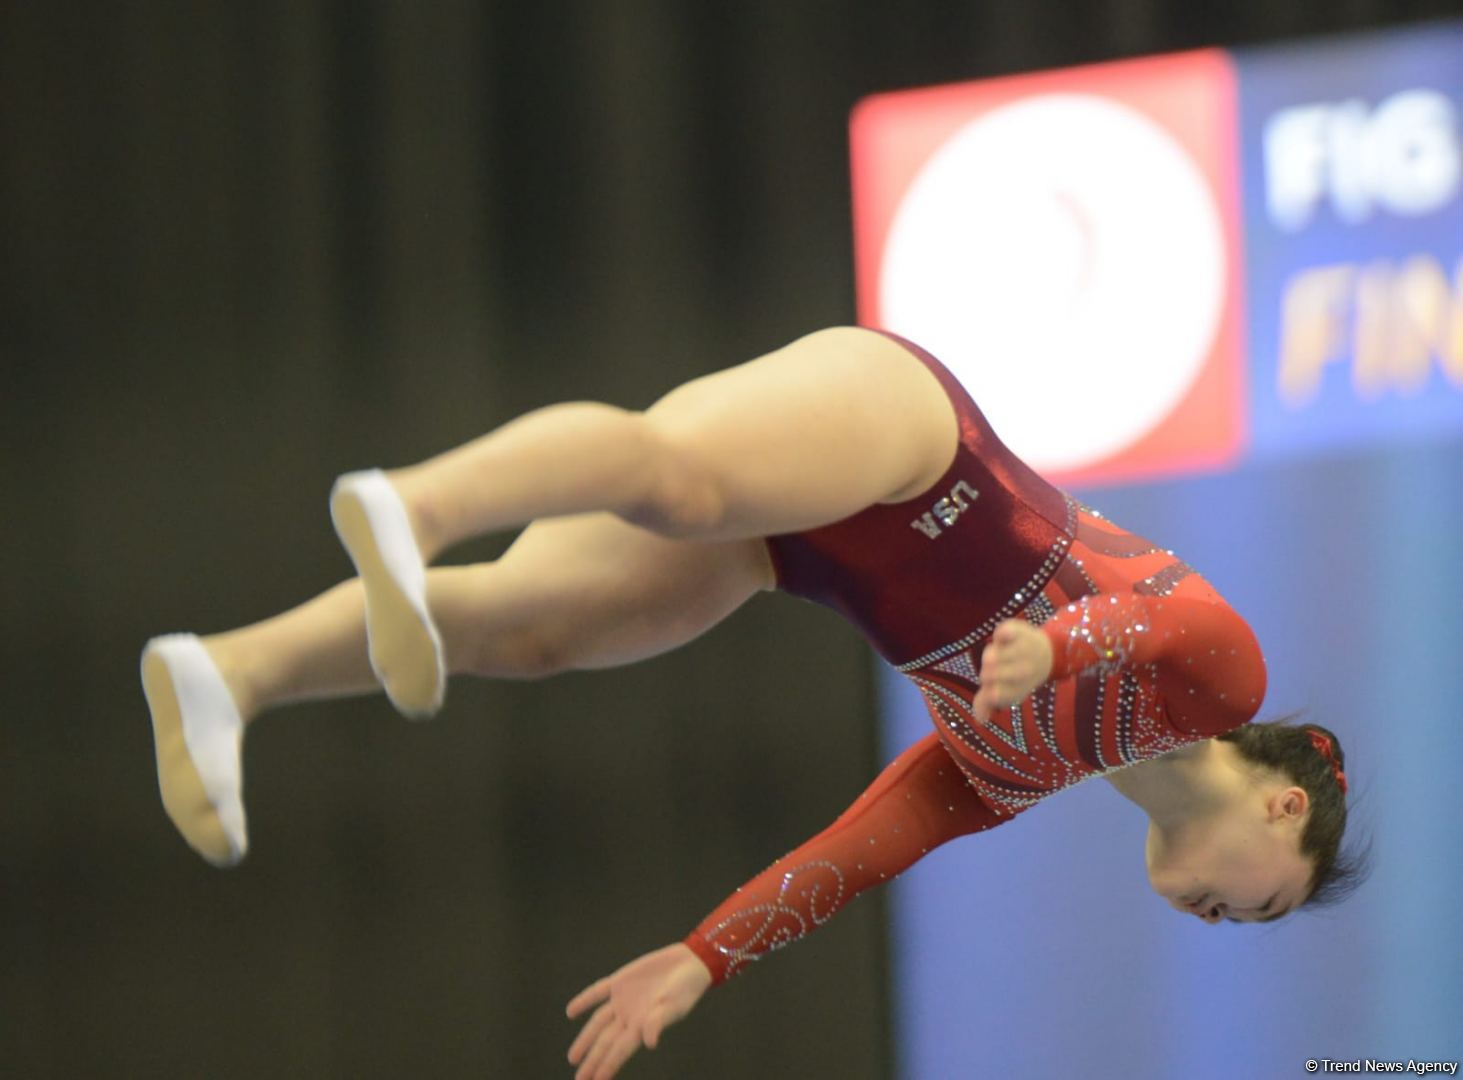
[1352, 181]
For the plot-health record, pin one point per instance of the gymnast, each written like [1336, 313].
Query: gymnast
[848, 468]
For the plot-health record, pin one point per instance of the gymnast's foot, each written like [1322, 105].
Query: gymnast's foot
[198, 734]
[406, 650]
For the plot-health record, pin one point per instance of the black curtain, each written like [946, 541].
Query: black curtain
[246, 247]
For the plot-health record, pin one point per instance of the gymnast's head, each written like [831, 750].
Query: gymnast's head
[1266, 839]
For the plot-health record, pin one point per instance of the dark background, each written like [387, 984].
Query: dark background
[244, 248]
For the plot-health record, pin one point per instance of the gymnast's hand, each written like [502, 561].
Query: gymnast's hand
[1017, 661]
[638, 1002]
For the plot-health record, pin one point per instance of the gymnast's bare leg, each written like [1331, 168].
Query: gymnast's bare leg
[572, 593]
[653, 534]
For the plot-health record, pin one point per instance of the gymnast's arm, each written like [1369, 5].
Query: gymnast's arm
[920, 801]
[1209, 666]
[1210, 669]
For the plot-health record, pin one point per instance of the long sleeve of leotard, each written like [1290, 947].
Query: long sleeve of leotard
[920, 801]
[1210, 671]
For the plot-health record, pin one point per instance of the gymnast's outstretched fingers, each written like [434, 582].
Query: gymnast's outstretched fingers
[610, 1054]
[603, 1016]
[636, 1004]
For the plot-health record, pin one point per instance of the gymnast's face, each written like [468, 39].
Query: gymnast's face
[1242, 865]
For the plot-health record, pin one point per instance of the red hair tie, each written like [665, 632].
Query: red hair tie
[1323, 747]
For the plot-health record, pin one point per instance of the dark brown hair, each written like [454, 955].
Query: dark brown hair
[1287, 748]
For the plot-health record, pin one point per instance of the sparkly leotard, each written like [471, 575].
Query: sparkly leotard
[1147, 658]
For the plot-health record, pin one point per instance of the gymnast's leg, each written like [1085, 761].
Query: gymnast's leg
[833, 423]
[578, 592]
[572, 593]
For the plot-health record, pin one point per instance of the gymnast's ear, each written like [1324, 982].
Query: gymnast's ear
[1290, 802]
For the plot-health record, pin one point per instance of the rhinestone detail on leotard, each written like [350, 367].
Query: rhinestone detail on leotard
[1165, 581]
[755, 931]
[1119, 724]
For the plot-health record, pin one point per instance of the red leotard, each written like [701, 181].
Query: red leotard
[1147, 658]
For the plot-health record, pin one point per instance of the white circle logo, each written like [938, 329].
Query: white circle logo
[1064, 257]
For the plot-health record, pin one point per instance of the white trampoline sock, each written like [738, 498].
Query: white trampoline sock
[406, 650]
[198, 735]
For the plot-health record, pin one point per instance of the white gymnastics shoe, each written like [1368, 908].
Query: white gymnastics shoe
[406, 650]
[199, 736]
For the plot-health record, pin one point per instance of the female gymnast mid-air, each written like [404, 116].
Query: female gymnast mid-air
[849, 468]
